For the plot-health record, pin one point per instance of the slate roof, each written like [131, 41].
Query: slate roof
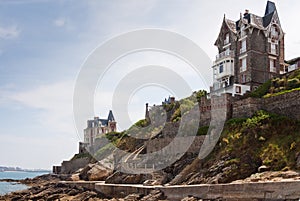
[110, 116]
[270, 8]
[231, 25]
[257, 21]
[103, 122]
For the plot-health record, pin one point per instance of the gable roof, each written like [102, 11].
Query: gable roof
[231, 25]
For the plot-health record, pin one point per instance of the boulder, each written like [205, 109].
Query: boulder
[123, 178]
[263, 168]
[95, 172]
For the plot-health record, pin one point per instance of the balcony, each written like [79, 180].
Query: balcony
[224, 70]
[224, 54]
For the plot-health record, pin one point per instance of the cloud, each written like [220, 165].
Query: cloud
[54, 103]
[59, 22]
[9, 32]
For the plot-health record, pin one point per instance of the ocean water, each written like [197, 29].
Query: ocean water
[7, 187]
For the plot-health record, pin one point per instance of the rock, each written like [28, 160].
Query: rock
[154, 195]
[189, 199]
[75, 177]
[151, 182]
[263, 168]
[133, 197]
[95, 172]
[298, 160]
[123, 178]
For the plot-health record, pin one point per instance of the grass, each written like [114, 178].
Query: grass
[280, 93]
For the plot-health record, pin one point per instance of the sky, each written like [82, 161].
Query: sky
[44, 44]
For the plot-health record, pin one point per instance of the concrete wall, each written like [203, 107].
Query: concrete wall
[285, 190]
[249, 191]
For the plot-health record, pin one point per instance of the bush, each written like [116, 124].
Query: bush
[202, 130]
[199, 94]
[142, 123]
[273, 157]
[293, 83]
[256, 120]
[261, 90]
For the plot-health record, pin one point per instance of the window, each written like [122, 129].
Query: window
[226, 39]
[273, 65]
[221, 68]
[243, 64]
[243, 78]
[273, 48]
[274, 32]
[243, 46]
[238, 89]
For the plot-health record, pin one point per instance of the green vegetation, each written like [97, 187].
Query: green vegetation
[81, 155]
[264, 139]
[261, 90]
[104, 151]
[202, 130]
[278, 86]
[185, 105]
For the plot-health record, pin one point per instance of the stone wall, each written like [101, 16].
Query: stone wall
[68, 167]
[287, 104]
[161, 145]
[246, 107]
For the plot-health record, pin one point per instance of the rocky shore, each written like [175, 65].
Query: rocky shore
[48, 187]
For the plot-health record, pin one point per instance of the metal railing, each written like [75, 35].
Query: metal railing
[225, 54]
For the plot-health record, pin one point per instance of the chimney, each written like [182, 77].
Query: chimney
[172, 99]
[246, 12]
[147, 117]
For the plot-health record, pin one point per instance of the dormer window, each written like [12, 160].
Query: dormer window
[226, 39]
[243, 32]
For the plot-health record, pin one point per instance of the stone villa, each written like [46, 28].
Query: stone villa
[99, 126]
[251, 51]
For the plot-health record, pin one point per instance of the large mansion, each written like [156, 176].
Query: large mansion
[251, 51]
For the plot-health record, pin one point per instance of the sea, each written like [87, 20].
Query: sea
[7, 187]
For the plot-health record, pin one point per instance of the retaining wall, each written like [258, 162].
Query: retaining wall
[68, 167]
[285, 190]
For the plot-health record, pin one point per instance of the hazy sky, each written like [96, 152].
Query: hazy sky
[44, 43]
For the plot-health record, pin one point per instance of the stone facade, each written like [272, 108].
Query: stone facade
[98, 126]
[251, 51]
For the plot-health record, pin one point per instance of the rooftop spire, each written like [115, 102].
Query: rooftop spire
[110, 116]
[270, 8]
